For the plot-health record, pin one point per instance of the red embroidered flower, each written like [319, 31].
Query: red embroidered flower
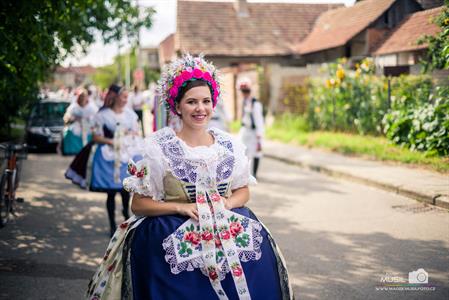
[237, 270]
[213, 274]
[235, 228]
[217, 241]
[132, 169]
[124, 225]
[200, 198]
[186, 75]
[197, 73]
[193, 237]
[111, 267]
[215, 197]
[225, 235]
[141, 173]
[107, 254]
[207, 235]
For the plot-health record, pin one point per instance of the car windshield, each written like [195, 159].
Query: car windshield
[48, 113]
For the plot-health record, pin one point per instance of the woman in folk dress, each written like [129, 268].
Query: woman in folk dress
[78, 123]
[192, 237]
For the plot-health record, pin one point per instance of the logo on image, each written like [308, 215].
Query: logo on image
[419, 276]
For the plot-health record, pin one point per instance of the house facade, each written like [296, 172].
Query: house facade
[243, 39]
[353, 32]
[400, 53]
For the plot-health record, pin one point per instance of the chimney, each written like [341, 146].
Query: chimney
[241, 8]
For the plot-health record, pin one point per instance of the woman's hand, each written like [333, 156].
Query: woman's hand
[189, 210]
[227, 203]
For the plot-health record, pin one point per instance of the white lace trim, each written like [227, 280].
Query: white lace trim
[171, 245]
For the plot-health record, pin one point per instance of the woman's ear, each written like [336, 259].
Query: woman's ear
[178, 110]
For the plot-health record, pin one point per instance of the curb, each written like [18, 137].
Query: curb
[441, 201]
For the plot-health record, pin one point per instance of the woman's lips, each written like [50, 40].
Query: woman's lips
[199, 117]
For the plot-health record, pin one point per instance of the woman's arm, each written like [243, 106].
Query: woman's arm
[145, 206]
[102, 140]
[238, 198]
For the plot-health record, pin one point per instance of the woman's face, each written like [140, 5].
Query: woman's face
[82, 100]
[195, 107]
[122, 99]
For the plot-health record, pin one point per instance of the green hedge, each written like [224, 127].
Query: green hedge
[357, 101]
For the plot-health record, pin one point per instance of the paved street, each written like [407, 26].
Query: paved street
[339, 238]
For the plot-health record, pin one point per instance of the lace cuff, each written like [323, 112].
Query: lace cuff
[140, 180]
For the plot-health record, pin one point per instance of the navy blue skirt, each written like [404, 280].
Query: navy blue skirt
[152, 278]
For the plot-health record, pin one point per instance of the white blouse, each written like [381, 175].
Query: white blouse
[225, 152]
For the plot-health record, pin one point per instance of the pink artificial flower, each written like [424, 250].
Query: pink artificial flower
[197, 73]
[214, 85]
[178, 81]
[235, 228]
[174, 92]
[186, 75]
[207, 76]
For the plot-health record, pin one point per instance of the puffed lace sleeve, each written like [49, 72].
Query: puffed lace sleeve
[241, 175]
[98, 122]
[146, 175]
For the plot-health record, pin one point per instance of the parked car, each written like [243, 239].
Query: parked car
[45, 124]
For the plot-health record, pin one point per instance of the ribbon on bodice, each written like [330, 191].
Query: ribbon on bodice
[220, 241]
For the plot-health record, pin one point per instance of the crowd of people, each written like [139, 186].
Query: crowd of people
[190, 234]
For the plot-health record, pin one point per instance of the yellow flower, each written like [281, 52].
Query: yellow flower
[446, 21]
[340, 73]
[358, 72]
[328, 83]
[317, 109]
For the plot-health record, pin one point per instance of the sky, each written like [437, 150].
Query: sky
[164, 23]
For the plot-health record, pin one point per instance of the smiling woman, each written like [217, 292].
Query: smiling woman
[192, 236]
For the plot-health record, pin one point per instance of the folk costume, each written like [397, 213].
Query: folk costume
[78, 129]
[225, 253]
[253, 129]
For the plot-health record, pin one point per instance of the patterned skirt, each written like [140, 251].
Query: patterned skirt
[134, 267]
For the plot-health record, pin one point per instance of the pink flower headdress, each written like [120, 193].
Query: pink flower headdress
[178, 73]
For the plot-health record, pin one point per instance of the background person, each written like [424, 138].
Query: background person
[253, 128]
[78, 124]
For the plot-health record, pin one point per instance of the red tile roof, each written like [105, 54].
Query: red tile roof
[404, 37]
[167, 49]
[86, 70]
[336, 27]
[215, 28]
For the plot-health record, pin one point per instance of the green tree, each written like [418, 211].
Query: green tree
[437, 56]
[103, 76]
[36, 35]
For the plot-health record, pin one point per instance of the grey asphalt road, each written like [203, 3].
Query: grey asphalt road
[340, 239]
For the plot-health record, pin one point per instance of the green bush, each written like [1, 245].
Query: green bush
[424, 126]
